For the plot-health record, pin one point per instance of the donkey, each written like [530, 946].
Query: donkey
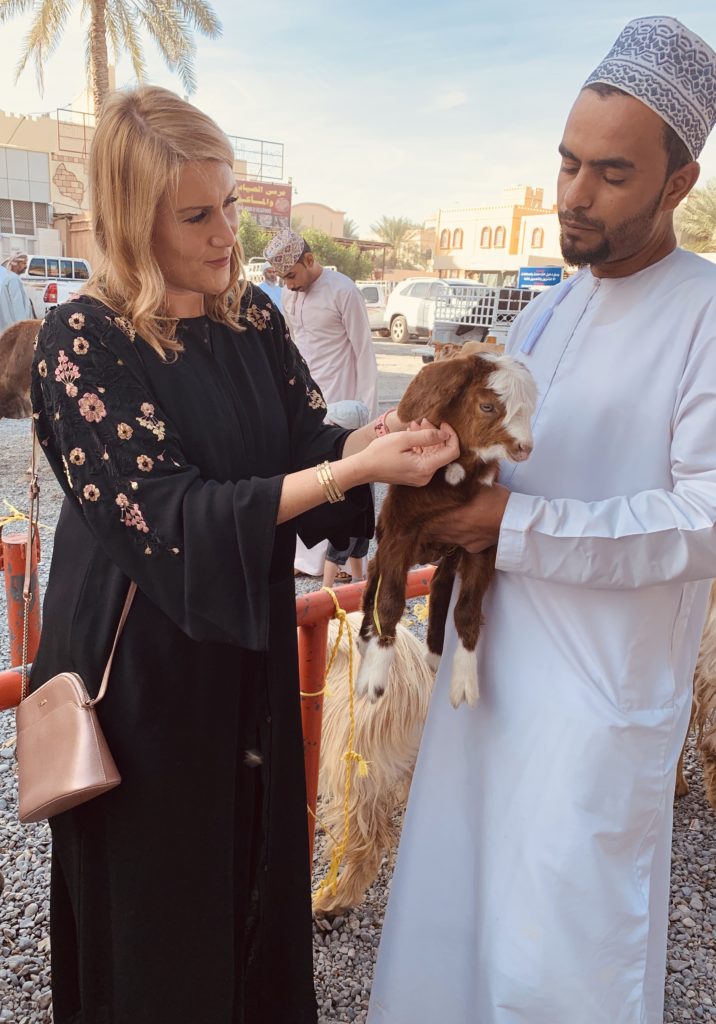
[489, 401]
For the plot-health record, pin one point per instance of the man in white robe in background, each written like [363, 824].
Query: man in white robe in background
[327, 318]
[532, 880]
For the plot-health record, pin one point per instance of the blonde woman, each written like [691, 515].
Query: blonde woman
[185, 430]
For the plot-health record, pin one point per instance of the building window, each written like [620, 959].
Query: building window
[499, 238]
[486, 238]
[445, 239]
[457, 238]
[21, 217]
[537, 238]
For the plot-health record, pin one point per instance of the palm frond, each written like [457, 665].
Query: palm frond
[201, 16]
[124, 24]
[9, 8]
[44, 35]
[172, 37]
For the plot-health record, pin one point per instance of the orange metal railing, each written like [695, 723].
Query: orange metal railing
[313, 613]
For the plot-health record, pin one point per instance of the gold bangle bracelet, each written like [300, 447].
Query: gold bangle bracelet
[330, 487]
[328, 483]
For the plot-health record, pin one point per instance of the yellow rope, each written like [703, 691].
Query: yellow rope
[376, 618]
[350, 757]
[16, 516]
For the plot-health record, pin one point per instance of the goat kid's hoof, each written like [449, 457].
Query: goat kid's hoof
[463, 683]
[432, 660]
[374, 669]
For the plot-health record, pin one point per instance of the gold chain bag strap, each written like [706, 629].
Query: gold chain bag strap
[63, 757]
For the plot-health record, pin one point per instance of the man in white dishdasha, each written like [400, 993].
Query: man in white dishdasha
[327, 318]
[533, 874]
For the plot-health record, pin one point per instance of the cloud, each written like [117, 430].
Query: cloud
[448, 100]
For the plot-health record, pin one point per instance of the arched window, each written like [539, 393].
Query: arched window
[445, 239]
[486, 238]
[537, 238]
[499, 238]
[457, 238]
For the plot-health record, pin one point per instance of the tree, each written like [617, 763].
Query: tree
[169, 24]
[253, 238]
[697, 219]
[346, 258]
[350, 228]
[399, 233]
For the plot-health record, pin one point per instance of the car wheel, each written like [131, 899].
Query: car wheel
[399, 330]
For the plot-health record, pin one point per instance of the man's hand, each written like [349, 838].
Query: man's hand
[474, 526]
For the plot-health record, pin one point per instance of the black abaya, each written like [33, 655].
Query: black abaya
[183, 896]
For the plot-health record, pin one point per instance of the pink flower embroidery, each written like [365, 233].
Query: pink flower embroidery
[92, 408]
[80, 346]
[314, 400]
[145, 463]
[91, 492]
[124, 431]
[77, 457]
[77, 321]
[150, 421]
[133, 517]
[122, 500]
[126, 326]
[67, 373]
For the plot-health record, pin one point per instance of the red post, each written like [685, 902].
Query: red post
[312, 674]
[10, 688]
[14, 565]
[313, 612]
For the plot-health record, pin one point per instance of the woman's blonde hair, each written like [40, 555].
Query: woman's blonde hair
[143, 139]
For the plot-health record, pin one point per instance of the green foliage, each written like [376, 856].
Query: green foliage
[696, 219]
[253, 238]
[169, 25]
[329, 253]
[350, 228]
[399, 233]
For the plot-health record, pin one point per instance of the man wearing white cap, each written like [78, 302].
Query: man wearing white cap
[328, 321]
[270, 284]
[533, 874]
[14, 302]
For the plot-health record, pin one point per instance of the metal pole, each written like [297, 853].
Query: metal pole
[14, 566]
[313, 612]
[10, 688]
[312, 642]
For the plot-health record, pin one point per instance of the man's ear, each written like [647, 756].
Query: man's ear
[680, 184]
[432, 392]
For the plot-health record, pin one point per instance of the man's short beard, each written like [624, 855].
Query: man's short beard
[621, 242]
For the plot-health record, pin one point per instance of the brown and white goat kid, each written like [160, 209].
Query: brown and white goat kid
[489, 401]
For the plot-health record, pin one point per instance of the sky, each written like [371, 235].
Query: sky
[384, 109]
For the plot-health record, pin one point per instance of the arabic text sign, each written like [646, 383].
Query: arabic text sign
[268, 204]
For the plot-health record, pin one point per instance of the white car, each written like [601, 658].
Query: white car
[411, 307]
[375, 295]
[50, 280]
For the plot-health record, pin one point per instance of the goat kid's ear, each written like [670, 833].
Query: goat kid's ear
[434, 389]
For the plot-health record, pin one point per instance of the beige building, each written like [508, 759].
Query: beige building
[491, 243]
[318, 216]
[44, 188]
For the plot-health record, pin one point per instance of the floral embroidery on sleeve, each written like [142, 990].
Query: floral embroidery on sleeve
[260, 318]
[82, 422]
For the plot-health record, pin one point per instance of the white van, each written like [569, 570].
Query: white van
[66, 275]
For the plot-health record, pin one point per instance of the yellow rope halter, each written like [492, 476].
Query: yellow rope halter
[350, 757]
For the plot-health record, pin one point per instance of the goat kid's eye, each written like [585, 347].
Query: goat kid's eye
[486, 407]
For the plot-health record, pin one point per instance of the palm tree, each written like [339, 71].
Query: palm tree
[169, 23]
[397, 232]
[697, 219]
[350, 228]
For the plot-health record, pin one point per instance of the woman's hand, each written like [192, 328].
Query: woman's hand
[409, 457]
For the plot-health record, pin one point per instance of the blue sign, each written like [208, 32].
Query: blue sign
[539, 277]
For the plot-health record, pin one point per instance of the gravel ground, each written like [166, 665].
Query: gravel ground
[345, 950]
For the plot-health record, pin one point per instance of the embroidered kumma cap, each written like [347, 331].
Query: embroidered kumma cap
[671, 70]
[284, 250]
